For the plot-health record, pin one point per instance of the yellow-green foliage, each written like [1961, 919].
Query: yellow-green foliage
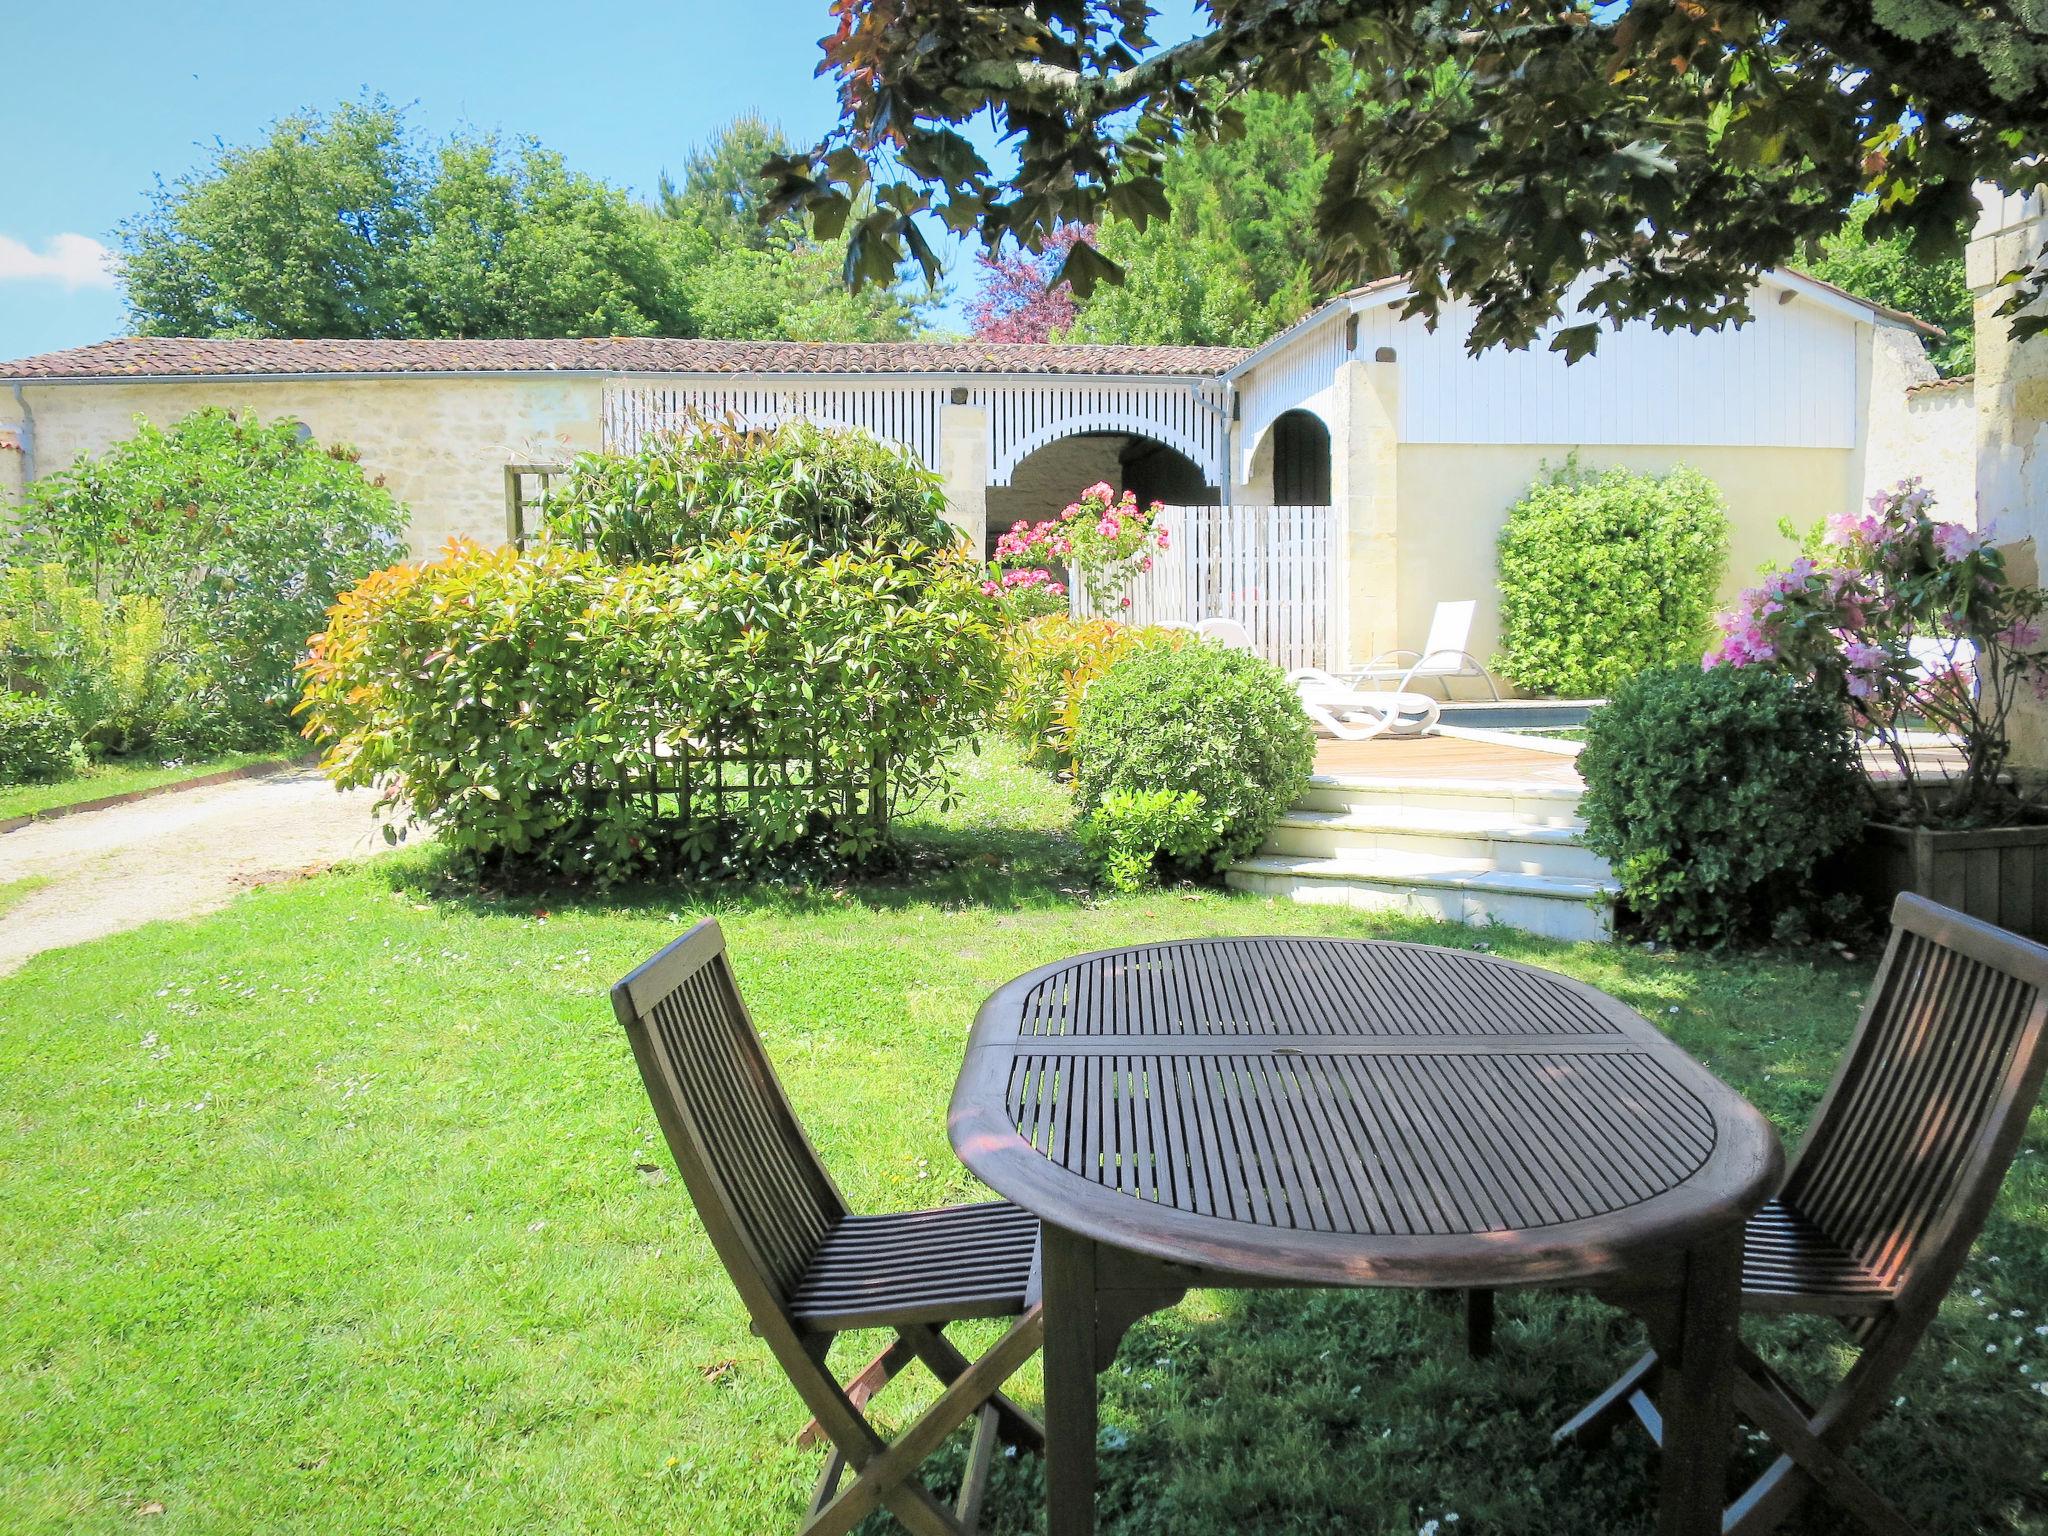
[110, 665]
[1048, 664]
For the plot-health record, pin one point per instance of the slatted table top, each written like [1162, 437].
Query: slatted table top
[1338, 1111]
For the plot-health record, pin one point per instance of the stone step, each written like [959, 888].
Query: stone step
[1451, 890]
[1531, 801]
[1484, 838]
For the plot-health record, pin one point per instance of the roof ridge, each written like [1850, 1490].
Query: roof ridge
[204, 356]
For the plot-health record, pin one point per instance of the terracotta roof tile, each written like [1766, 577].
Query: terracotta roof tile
[157, 356]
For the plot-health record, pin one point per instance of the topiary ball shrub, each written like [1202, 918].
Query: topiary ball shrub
[1604, 575]
[38, 741]
[1221, 724]
[1716, 796]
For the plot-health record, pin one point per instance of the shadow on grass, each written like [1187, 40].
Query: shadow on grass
[998, 865]
[1359, 1412]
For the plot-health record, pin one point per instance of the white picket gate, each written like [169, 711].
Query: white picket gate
[1273, 569]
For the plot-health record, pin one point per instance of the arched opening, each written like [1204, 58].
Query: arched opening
[1301, 460]
[1047, 478]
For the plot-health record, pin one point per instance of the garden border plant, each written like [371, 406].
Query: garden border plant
[1718, 797]
[199, 560]
[1200, 720]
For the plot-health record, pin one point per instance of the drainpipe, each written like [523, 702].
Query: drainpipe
[28, 435]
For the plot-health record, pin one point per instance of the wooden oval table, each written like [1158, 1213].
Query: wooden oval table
[1324, 1112]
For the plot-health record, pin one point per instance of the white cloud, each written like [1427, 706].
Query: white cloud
[76, 261]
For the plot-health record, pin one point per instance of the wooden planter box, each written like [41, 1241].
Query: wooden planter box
[1999, 874]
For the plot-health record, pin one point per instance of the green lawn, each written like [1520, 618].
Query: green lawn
[343, 1211]
[104, 779]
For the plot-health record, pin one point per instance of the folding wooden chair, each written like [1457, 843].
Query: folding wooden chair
[1894, 1181]
[808, 1270]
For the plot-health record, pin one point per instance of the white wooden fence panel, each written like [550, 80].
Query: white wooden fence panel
[1273, 569]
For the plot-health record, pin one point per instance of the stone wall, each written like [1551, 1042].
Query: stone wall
[2012, 416]
[441, 444]
[1916, 424]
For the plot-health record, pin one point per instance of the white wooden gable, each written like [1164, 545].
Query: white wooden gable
[1788, 378]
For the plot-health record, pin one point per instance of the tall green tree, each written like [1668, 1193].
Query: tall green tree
[304, 233]
[753, 277]
[1886, 270]
[1234, 260]
[722, 191]
[1665, 152]
[351, 226]
[514, 243]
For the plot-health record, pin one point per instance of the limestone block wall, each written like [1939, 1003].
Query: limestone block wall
[1937, 441]
[2012, 415]
[1916, 424]
[440, 444]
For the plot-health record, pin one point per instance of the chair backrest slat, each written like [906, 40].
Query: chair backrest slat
[764, 1196]
[1928, 1107]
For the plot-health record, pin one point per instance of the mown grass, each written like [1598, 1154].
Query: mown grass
[342, 1210]
[104, 779]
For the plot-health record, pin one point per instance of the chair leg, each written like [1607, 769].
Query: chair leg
[890, 1477]
[1760, 1401]
[1595, 1422]
[946, 1362]
[864, 1384]
[980, 1457]
[1479, 1324]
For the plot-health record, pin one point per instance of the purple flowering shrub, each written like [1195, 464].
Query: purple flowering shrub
[1912, 625]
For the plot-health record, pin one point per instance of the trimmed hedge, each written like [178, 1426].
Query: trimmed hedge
[1717, 796]
[1604, 575]
[1222, 724]
[551, 714]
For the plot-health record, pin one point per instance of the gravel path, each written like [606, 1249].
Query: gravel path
[175, 855]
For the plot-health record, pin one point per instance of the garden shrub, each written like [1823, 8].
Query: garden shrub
[1223, 724]
[829, 490]
[1048, 664]
[1133, 831]
[1717, 796]
[38, 741]
[112, 667]
[551, 714]
[1604, 575]
[242, 530]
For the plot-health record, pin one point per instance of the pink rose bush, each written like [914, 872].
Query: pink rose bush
[1104, 540]
[1912, 624]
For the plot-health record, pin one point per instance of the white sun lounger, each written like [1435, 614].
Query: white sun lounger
[1443, 654]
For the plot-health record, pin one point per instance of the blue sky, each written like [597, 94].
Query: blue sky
[101, 99]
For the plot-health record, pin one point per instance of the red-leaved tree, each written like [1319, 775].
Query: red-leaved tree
[1020, 297]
